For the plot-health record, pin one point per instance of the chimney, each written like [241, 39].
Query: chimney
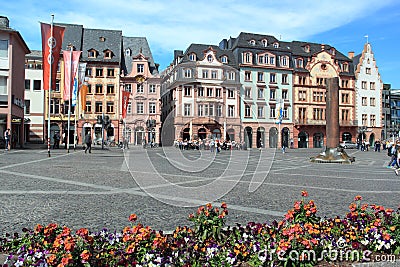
[350, 54]
[4, 23]
[322, 46]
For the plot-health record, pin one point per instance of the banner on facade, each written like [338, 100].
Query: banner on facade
[78, 82]
[51, 47]
[83, 92]
[125, 102]
[71, 62]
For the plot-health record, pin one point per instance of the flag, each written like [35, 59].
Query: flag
[70, 71]
[125, 102]
[51, 47]
[78, 82]
[84, 90]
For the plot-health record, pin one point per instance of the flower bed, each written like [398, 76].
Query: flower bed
[301, 238]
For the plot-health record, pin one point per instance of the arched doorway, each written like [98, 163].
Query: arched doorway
[260, 137]
[216, 133]
[285, 137]
[231, 134]
[318, 140]
[53, 129]
[346, 136]
[303, 140]
[202, 133]
[139, 135]
[248, 137]
[372, 139]
[273, 137]
[186, 134]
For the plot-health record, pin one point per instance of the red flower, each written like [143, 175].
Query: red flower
[223, 205]
[85, 255]
[357, 198]
[133, 217]
[304, 193]
[209, 206]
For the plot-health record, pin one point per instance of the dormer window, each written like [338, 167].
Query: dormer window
[299, 62]
[102, 39]
[92, 53]
[252, 42]
[128, 52]
[210, 58]
[192, 57]
[333, 51]
[284, 60]
[247, 57]
[276, 45]
[307, 48]
[224, 59]
[107, 54]
[345, 67]
[264, 42]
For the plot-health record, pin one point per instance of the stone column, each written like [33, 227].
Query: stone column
[332, 112]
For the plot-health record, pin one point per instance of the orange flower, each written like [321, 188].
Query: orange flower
[133, 217]
[38, 228]
[83, 232]
[66, 259]
[69, 244]
[51, 259]
[66, 231]
[223, 205]
[304, 193]
[85, 255]
[352, 207]
[357, 198]
[209, 206]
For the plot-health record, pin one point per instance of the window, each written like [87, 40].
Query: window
[200, 110]
[110, 107]
[247, 111]
[372, 85]
[367, 70]
[110, 72]
[318, 114]
[219, 111]
[210, 58]
[302, 115]
[55, 106]
[27, 107]
[224, 59]
[345, 83]
[186, 109]
[110, 89]
[364, 85]
[299, 63]
[247, 57]
[27, 84]
[99, 88]
[285, 113]
[99, 107]
[128, 88]
[272, 112]
[364, 101]
[200, 91]
[272, 94]
[152, 108]
[139, 88]
[214, 74]
[192, 57]
[129, 108]
[285, 94]
[218, 92]
[209, 92]
[211, 109]
[260, 94]
[302, 80]
[128, 52]
[231, 111]
[90, 91]
[231, 76]
[284, 79]
[372, 120]
[88, 107]
[231, 93]
[260, 111]
[99, 72]
[272, 78]
[260, 59]
[187, 91]
[140, 68]
[271, 60]
[320, 81]
[247, 93]
[345, 98]
[372, 101]
[264, 42]
[345, 114]
[247, 76]
[92, 53]
[318, 96]
[37, 85]
[139, 108]
[276, 45]
[260, 76]
[4, 48]
[88, 72]
[302, 95]
[284, 60]
[107, 54]
[187, 73]
[345, 67]
[364, 119]
[205, 74]
[152, 89]
[252, 42]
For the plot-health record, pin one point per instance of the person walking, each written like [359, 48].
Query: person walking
[88, 142]
[57, 138]
[7, 138]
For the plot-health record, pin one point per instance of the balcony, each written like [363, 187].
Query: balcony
[323, 122]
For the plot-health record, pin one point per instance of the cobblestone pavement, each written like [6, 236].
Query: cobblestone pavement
[101, 189]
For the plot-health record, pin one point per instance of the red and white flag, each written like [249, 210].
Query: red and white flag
[51, 47]
[69, 73]
[125, 102]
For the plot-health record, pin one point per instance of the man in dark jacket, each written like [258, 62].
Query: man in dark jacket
[88, 142]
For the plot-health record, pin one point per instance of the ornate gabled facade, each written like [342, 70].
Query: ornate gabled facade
[200, 96]
[139, 76]
[313, 64]
[369, 90]
[266, 89]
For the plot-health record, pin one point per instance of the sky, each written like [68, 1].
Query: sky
[175, 24]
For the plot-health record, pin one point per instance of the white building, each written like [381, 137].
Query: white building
[34, 97]
[368, 89]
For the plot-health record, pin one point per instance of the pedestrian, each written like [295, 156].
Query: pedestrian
[7, 138]
[397, 170]
[283, 149]
[212, 145]
[88, 142]
[57, 138]
[393, 156]
[14, 139]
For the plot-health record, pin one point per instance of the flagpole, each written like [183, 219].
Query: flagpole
[49, 91]
[69, 100]
[76, 111]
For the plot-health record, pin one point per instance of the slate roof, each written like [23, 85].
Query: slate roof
[34, 54]
[136, 45]
[92, 39]
[72, 35]
[199, 49]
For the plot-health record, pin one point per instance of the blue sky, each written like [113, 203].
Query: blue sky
[175, 24]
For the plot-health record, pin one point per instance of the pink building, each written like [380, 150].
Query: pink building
[12, 82]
